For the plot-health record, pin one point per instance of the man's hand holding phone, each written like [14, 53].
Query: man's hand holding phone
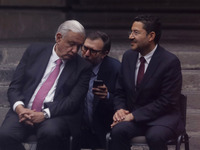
[99, 89]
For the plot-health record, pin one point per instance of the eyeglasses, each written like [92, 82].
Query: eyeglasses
[133, 33]
[92, 51]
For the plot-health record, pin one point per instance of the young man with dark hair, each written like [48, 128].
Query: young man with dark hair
[146, 100]
[99, 100]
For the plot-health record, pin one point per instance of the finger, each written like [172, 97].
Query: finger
[101, 93]
[22, 119]
[24, 113]
[126, 112]
[115, 117]
[20, 116]
[103, 88]
[27, 116]
[114, 123]
[28, 122]
[118, 117]
[95, 89]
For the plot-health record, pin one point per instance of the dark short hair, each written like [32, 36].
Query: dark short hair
[105, 38]
[151, 23]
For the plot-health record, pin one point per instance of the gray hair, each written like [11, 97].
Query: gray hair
[70, 25]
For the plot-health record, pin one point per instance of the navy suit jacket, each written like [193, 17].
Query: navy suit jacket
[103, 110]
[71, 88]
[155, 101]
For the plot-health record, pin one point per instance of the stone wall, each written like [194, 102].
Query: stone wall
[33, 2]
[30, 19]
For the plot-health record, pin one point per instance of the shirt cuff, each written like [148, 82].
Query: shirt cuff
[108, 95]
[16, 104]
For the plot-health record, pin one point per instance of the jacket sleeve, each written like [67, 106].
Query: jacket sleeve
[16, 86]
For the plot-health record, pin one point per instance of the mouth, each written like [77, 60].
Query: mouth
[68, 56]
[133, 43]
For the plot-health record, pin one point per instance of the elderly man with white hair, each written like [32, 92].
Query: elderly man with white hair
[47, 91]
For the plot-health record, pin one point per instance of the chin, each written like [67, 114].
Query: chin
[67, 57]
[133, 48]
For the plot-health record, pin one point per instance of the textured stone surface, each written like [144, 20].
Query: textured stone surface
[32, 3]
[193, 98]
[3, 95]
[29, 23]
[3, 112]
[19, 28]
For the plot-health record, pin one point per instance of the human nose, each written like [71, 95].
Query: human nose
[87, 52]
[75, 49]
[131, 35]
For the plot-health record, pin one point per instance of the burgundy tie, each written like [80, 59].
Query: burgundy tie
[45, 88]
[141, 70]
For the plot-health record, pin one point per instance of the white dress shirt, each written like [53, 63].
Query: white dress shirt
[147, 58]
[49, 98]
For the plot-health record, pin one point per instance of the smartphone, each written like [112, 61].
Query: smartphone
[97, 83]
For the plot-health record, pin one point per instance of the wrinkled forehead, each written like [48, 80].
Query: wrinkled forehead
[75, 37]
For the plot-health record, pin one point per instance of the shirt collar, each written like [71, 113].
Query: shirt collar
[54, 56]
[149, 55]
[96, 68]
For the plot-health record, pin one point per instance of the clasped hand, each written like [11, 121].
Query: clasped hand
[28, 116]
[121, 115]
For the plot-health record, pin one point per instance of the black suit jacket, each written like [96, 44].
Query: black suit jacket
[103, 110]
[71, 88]
[155, 101]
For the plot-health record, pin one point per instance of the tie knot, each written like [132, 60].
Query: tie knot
[142, 60]
[58, 62]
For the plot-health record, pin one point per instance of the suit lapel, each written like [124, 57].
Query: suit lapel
[44, 59]
[67, 71]
[40, 62]
[151, 68]
[132, 68]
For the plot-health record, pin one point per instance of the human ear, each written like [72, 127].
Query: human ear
[58, 37]
[152, 36]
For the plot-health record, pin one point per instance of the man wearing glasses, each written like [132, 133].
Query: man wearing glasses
[98, 109]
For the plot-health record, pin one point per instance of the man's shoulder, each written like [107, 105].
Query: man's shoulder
[130, 53]
[165, 54]
[81, 62]
[41, 44]
[111, 61]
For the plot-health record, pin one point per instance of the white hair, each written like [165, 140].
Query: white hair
[70, 25]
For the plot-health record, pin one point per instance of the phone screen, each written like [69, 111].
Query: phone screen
[97, 83]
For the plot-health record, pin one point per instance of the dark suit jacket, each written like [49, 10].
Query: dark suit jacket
[71, 88]
[155, 101]
[103, 109]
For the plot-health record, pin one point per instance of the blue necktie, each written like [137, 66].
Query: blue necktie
[89, 100]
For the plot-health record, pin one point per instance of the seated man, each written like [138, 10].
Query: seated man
[47, 92]
[148, 89]
[99, 100]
